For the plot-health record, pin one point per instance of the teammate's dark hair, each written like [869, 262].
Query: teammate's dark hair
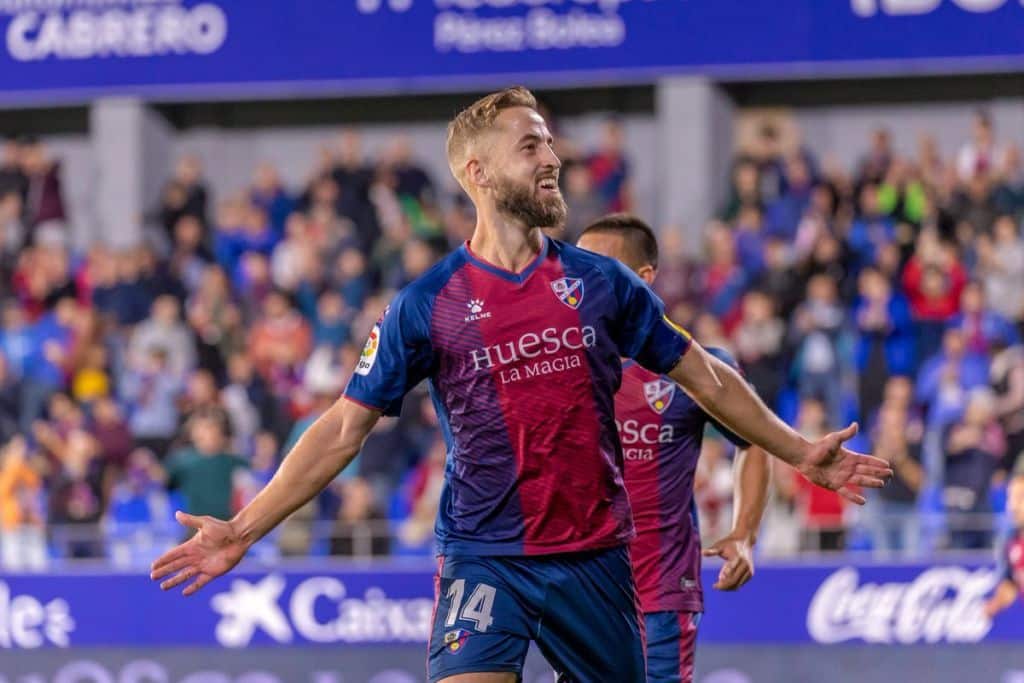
[638, 236]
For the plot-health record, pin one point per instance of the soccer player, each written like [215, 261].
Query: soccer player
[1012, 580]
[520, 337]
[661, 430]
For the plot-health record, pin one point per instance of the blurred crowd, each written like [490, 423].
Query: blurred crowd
[178, 373]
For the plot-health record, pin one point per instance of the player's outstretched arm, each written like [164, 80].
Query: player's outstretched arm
[750, 496]
[728, 398]
[324, 450]
[1006, 593]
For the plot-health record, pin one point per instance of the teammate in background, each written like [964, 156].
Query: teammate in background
[1012, 580]
[520, 337]
[661, 430]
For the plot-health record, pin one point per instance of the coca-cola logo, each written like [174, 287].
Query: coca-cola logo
[941, 605]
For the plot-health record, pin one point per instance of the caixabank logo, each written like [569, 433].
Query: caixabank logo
[319, 609]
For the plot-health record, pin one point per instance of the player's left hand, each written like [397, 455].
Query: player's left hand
[829, 465]
[739, 561]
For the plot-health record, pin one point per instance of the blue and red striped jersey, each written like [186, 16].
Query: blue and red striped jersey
[662, 430]
[523, 370]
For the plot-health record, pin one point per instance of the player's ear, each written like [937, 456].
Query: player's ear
[647, 273]
[476, 174]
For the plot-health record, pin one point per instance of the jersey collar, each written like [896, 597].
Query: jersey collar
[504, 274]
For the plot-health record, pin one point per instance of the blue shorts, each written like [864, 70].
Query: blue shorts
[580, 609]
[671, 644]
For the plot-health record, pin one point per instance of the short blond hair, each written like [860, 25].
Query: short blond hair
[478, 118]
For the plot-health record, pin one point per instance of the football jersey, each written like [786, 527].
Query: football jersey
[523, 370]
[662, 429]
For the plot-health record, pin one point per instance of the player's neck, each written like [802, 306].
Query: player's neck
[505, 244]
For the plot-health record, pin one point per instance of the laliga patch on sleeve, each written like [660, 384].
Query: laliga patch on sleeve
[369, 354]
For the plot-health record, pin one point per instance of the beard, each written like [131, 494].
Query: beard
[521, 202]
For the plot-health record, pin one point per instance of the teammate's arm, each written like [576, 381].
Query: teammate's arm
[1006, 593]
[329, 444]
[750, 496]
[726, 396]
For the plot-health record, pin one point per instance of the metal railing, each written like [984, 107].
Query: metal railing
[913, 536]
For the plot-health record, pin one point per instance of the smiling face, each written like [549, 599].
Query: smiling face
[500, 151]
[521, 169]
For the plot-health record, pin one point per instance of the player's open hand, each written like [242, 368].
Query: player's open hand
[739, 562]
[829, 465]
[212, 551]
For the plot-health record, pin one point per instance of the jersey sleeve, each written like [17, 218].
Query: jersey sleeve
[726, 357]
[644, 332]
[397, 356]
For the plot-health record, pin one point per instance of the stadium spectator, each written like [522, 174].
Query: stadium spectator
[185, 194]
[979, 156]
[945, 378]
[983, 327]
[358, 531]
[189, 254]
[22, 540]
[76, 496]
[1001, 268]
[279, 342]
[205, 472]
[874, 165]
[759, 340]
[152, 388]
[818, 323]
[897, 437]
[12, 177]
[974, 448]
[585, 204]
[44, 200]
[12, 234]
[885, 345]
[216, 320]
[1009, 193]
[138, 510]
[609, 169]
[165, 330]
[822, 521]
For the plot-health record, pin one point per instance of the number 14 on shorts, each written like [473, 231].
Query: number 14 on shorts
[477, 609]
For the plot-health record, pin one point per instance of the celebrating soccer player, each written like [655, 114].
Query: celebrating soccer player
[520, 337]
[661, 430]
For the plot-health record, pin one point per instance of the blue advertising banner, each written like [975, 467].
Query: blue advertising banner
[897, 605]
[77, 49]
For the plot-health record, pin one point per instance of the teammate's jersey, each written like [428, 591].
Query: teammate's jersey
[661, 429]
[523, 370]
[1013, 559]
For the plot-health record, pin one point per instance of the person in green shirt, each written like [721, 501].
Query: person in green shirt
[204, 472]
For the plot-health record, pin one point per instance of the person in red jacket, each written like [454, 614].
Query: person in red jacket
[933, 281]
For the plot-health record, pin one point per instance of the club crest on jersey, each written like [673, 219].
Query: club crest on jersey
[659, 394]
[455, 640]
[569, 291]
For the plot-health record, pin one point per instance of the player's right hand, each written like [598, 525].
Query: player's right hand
[213, 550]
